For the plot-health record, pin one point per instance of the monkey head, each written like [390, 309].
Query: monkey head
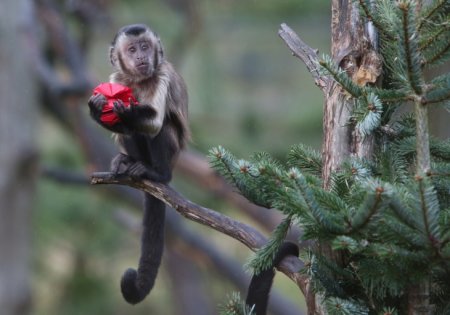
[136, 51]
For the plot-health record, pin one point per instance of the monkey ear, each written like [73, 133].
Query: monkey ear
[160, 51]
[112, 56]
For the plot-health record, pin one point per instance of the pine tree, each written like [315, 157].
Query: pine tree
[386, 215]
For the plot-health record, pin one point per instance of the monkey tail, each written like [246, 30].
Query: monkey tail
[260, 285]
[137, 284]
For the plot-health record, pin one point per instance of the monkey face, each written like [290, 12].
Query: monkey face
[137, 54]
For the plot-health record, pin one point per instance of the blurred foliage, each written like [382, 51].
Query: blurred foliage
[284, 8]
[243, 83]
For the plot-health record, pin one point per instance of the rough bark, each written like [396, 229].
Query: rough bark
[353, 51]
[352, 48]
[17, 157]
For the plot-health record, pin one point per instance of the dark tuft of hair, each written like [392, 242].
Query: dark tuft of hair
[131, 30]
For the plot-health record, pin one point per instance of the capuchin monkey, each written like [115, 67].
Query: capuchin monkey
[261, 283]
[150, 136]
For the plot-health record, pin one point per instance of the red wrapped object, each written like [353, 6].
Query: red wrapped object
[114, 92]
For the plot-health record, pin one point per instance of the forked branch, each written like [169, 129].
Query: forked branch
[305, 53]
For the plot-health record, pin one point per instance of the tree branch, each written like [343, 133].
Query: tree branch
[237, 230]
[244, 233]
[305, 53]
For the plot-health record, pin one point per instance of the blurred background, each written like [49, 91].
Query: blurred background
[64, 244]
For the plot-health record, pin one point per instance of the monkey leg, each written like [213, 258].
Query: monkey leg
[121, 163]
[139, 170]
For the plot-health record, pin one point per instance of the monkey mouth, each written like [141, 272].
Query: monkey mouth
[143, 67]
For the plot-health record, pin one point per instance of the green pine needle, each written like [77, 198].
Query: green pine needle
[305, 159]
[235, 306]
[341, 77]
[390, 227]
[429, 209]
[264, 257]
[410, 45]
[371, 110]
[372, 203]
[337, 306]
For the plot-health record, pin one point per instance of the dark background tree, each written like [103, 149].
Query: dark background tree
[18, 157]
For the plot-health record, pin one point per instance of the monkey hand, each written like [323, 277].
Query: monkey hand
[133, 115]
[97, 102]
[125, 113]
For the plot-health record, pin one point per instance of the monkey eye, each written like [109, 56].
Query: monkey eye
[132, 49]
[144, 47]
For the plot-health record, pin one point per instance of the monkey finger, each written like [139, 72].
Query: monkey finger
[100, 98]
[118, 107]
[119, 103]
[97, 102]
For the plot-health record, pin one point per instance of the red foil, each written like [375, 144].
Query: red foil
[114, 92]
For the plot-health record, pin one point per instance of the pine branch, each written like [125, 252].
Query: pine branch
[321, 216]
[223, 160]
[430, 40]
[410, 46]
[347, 243]
[423, 163]
[371, 114]
[264, 256]
[439, 95]
[237, 172]
[235, 306]
[389, 95]
[338, 306]
[439, 55]
[341, 77]
[402, 212]
[367, 209]
[376, 22]
[431, 11]
[306, 159]
[429, 206]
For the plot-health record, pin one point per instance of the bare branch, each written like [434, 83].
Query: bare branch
[305, 53]
[244, 233]
[237, 230]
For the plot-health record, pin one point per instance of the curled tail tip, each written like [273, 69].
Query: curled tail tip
[128, 285]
